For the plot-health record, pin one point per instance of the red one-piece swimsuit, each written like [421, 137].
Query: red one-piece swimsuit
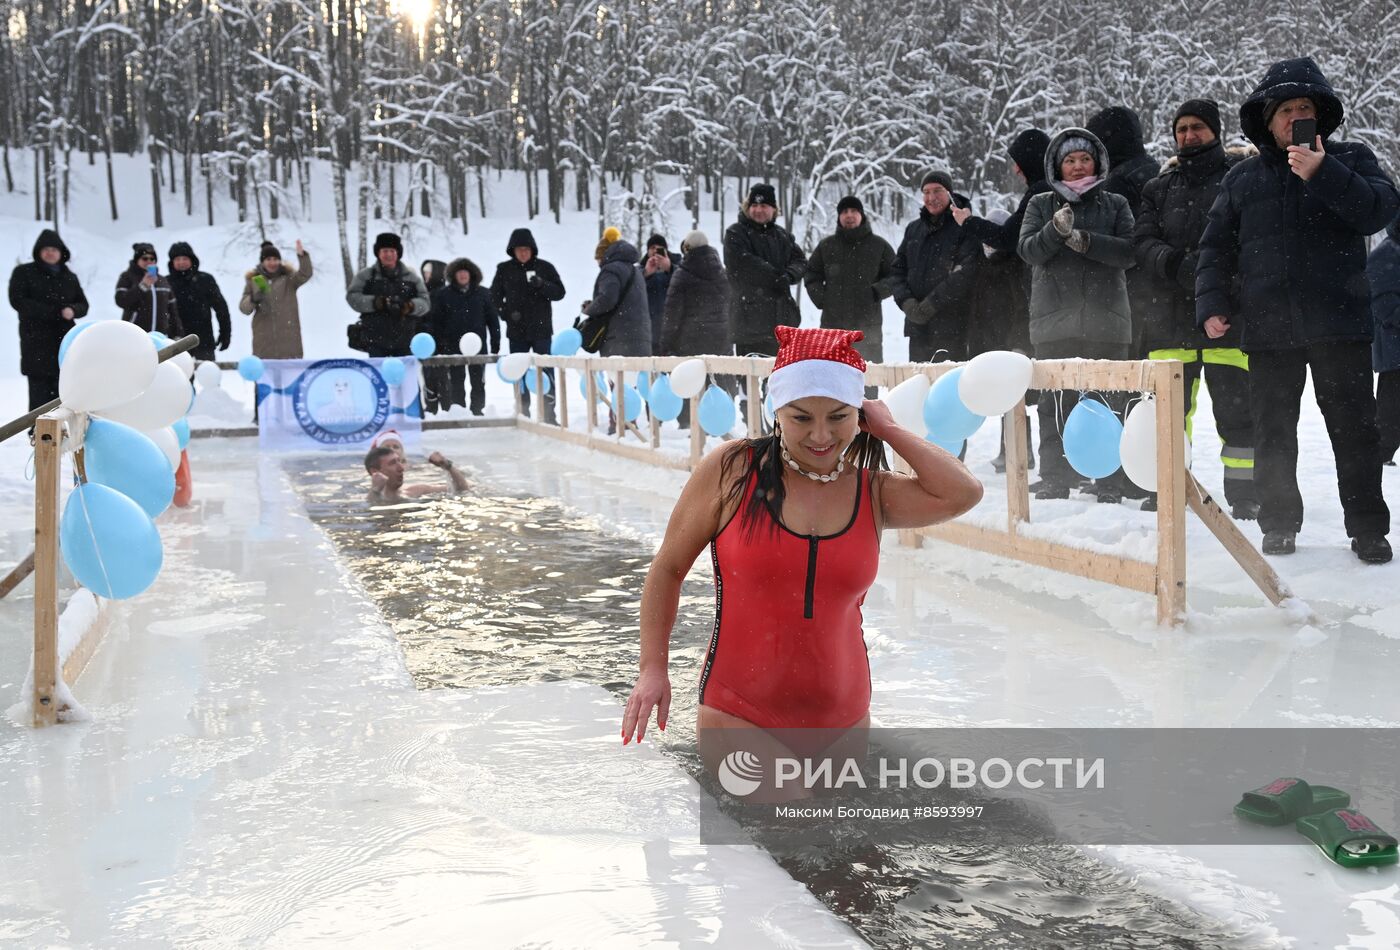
[787, 649]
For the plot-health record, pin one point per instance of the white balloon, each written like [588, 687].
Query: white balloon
[208, 375]
[471, 344]
[906, 403]
[688, 378]
[1138, 445]
[112, 363]
[168, 442]
[185, 361]
[163, 402]
[514, 366]
[993, 383]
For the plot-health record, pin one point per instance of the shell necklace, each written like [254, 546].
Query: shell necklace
[840, 467]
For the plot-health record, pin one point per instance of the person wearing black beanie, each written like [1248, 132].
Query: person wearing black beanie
[846, 278]
[199, 301]
[933, 272]
[1027, 153]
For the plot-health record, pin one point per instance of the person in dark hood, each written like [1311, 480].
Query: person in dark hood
[461, 305]
[390, 298]
[847, 277]
[48, 298]
[198, 301]
[1120, 130]
[1027, 153]
[1166, 240]
[1000, 315]
[658, 268]
[1383, 271]
[145, 296]
[524, 290]
[1078, 240]
[763, 262]
[696, 321]
[933, 273]
[1284, 258]
[434, 275]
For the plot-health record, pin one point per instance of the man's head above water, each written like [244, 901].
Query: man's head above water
[382, 459]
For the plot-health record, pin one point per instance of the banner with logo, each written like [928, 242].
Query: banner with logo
[336, 404]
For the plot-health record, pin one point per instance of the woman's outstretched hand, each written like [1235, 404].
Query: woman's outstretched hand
[653, 691]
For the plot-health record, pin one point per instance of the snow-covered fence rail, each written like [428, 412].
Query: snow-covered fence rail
[1164, 577]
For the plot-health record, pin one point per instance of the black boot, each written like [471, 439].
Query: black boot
[1372, 548]
[1284, 542]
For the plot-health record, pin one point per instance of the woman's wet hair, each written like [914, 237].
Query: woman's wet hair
[763, 457]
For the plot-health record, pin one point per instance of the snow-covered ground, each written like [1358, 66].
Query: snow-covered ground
[260, 770]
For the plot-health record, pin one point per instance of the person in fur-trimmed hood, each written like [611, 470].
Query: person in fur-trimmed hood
[1166, 241]
[199, 301]
[1078, 240]
[460, 306]
[270, 297]
[1284, 257]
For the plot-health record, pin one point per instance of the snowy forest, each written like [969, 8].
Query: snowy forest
[625, 106]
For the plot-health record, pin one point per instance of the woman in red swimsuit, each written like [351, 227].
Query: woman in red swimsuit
[793, 521]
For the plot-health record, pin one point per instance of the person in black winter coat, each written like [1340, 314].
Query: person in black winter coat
[197, 296]
[1000, 314]
[1166, 238]
[658, 269]
[696, 322]
[434, 275]
[524, 290]
[933, 273]
[461, 305]
[145, 298]
[847, 277]
[1120, 130]
[1383, 270]
[1284, 256]
[48, 298]
[763, 262]
[1027, 154]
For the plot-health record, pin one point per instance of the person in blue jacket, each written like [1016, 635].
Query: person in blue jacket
[1284, 257]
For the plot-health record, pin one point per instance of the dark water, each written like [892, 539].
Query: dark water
[493, 589]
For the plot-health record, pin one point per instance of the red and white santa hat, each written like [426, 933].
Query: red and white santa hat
[388, 435]
[815, 362]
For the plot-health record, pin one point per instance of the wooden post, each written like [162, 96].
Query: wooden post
[697, 434]
[1018, 495]
[1232, 538]
[539, 392]
[754, 407]
[48, 456]
[591, 386]
[561, 397]
[618, 405]
[1167, 377]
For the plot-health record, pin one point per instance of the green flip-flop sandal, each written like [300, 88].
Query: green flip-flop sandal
[1285, 800]
[1350, 838]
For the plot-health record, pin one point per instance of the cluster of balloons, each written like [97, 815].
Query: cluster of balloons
[952, 409]
[135, 433]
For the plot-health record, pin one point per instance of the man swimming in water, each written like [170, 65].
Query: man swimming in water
[385, 464]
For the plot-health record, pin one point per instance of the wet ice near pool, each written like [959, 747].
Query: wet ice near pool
[490, 588]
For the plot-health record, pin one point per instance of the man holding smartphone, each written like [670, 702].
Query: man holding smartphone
[1284, 258]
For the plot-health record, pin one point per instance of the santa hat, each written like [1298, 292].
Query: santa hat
[817, 362]
[388, 435]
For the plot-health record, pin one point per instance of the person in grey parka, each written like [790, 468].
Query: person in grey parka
[621, 291]
[1078, 240]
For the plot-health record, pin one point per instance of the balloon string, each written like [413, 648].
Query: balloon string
[97, 549]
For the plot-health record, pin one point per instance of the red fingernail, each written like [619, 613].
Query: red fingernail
[625, 740]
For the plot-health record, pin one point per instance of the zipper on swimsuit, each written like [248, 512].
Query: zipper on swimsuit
[811, 577]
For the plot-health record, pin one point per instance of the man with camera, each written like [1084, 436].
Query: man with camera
[391, 300]
[1284, 258]
[657, 269]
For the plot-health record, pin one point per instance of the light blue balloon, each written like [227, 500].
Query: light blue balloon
[422, 345]
[566, 342]
[251, 368]
[643, 386]
[665, 405]
[68, 339]
[529, 380]
[182, 433]
[393, 370]
[502, 378]
[602, 379]
[128, 461]
[1092, 434]
[110, 544]
[947, 419]
[717, 412]
[159, 339]
[631, 403]
[768, 409]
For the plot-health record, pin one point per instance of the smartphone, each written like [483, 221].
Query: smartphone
[1305, 133]
[153, 270]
